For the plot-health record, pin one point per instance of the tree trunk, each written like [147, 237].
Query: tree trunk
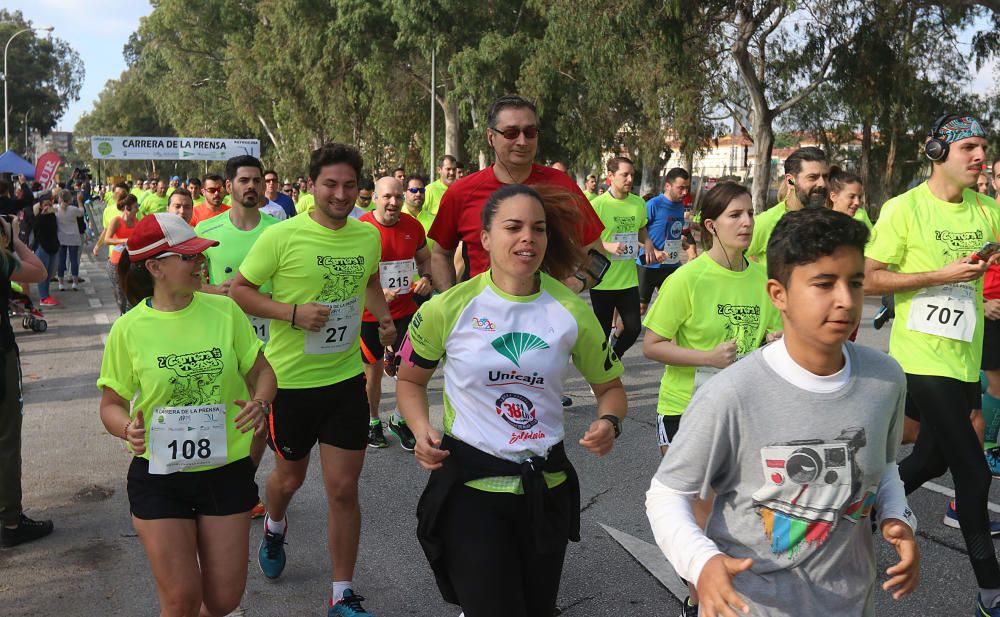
[650, 173]
[689, 161]
[888, 184]
[452, 129]
[763, 145]
[865, 162]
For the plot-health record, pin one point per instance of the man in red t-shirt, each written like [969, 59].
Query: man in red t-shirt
[214, 191]
[512, 132]
[404, 271]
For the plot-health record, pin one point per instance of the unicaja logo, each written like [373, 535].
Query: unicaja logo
[483, 324]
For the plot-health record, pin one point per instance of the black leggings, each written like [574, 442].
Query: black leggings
[947, 441]
[627, 302]
[491, 558]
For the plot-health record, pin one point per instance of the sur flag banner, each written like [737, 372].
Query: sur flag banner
[46, 169]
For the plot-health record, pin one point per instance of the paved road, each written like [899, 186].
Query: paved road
[93, 564]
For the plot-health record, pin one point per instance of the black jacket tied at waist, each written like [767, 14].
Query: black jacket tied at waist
[552, 521]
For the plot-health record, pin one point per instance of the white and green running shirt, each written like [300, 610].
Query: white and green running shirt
[508, 360]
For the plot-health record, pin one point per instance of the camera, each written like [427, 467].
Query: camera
[811, 479]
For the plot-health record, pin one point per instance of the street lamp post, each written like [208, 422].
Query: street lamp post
[5, 48]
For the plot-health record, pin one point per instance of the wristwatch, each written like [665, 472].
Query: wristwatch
[615, 422]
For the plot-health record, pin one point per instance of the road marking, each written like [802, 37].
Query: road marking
[651, 558]
[95, 303]
[950, 493]
[89, 291]
[101, 319]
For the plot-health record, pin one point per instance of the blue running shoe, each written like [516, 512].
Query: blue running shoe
[951, 520]
[982, 611]
[881, 317]
[271, 554]
[348, 606]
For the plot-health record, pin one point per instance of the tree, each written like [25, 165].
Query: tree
[45, 76]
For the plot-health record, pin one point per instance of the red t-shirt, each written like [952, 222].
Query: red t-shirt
[203, 212]
[459, 216]
[399, 242]
[991, 283]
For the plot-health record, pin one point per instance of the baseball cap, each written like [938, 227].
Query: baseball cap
[175, 178]
[161, 232]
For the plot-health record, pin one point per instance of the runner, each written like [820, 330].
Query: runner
[589, 187]
[323, 269]
[17, 264]
[272, 184]
[414, 206]
[665, 227]
[711, 312]
[404, 271]
[112, 210]
[624, 217]
[503, 499]
[447, 174]
[118, 233]
[366, 188]
[810, 406]
[991, 353]
[154, 201]
[186, 358]
[806, 170]
[180, 204]
[214, 191]
[846, 194]
[928, 236]
[194, 187]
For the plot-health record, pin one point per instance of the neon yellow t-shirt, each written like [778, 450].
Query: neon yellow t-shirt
[223, 261]
[200, 200]
[425, 218]
[170, 190]
[432, 196]
[109, 214]
[623, 219]
[228, 200]
[590, 195]
[862, 215]
[307, 262]
[152, 204]
[305, 204]
[917, 232]
[191, 357]
[701, 305]
[508, 361]
[763, 227]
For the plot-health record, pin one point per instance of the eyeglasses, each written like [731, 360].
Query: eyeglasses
[416, 190]
[512, 133]
[270, 180]
[212, 189]
[183, 257]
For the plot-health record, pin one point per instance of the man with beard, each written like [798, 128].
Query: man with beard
[323, 269]
[156, 201]
[214, 190]
[806, 171]
[447, 173]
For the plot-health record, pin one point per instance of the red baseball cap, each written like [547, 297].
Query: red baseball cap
[162, 232]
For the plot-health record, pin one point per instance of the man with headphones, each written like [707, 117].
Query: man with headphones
[806, 171]
[923, 250]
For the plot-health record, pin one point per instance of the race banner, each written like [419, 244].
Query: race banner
[45, 170]
[172, 148]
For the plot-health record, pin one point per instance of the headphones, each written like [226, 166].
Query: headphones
[937, 149]
[791, 182]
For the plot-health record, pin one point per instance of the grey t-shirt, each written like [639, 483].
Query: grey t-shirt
[795, 474]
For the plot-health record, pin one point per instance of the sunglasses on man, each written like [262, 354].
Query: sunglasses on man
[416, 190]
[512, 133]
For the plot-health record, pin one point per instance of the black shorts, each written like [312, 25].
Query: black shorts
[372, 349]
[336, 415]
[991, 345]
[229, 489]
[967, 395]
[666, 428]
[651, 279]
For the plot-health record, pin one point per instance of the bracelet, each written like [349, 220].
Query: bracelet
[294, 307]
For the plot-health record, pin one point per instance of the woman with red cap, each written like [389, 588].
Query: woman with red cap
[185, 359]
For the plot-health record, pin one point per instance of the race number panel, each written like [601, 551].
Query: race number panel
[945, 310]
[261, 327]
[398, 275]
[340, 331]
[186, 437]
[630, 242]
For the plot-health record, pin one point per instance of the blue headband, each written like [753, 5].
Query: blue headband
[961, 128]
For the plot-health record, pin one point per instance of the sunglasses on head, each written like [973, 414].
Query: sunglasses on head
[513, 132]
[416, 190]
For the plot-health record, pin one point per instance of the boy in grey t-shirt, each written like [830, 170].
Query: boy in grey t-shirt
[798, 442]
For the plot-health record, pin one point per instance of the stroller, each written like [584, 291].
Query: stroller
[20, 305]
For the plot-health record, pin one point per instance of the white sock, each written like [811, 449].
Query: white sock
[339, 587]
[275, 526]
[398, 419]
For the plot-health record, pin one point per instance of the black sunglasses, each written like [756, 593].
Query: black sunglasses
[416, 190]
[513, 132]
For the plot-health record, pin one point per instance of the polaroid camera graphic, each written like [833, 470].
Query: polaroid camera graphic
[811, 479]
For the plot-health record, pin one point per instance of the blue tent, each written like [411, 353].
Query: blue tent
[11, 163]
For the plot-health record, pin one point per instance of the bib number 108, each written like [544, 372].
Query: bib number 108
[943, 315]
[188, 448]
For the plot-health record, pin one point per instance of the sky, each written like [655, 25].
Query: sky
[98, 29]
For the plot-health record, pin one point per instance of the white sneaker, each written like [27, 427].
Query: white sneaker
[61, 286]
[74, 287]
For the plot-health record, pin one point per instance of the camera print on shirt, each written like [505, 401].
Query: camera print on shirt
[342, 277]
[807, 484]
[195, 379]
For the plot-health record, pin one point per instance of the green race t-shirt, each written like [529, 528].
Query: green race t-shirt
[305, 204]
[152, 204]
[109, 214]
[917, 232]
[196, 356]
[307, 262]
[224, 260]
[862, 215]
[432, 197]
[623, 219]
[763, 226]
[590, 195]
[701, 305]
[425, 218]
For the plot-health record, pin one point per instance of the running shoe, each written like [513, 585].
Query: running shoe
[74, 287]
[61, 286]
[348, 606]
[982, 611]
[688, 609]
[951, 520]
[48, 301]
[389, 363]
[566, 401]
[258, 510]
[271, 554]
[26, 531]
[376, 438]
[881, 317]
[993, 460]
[402, 432]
